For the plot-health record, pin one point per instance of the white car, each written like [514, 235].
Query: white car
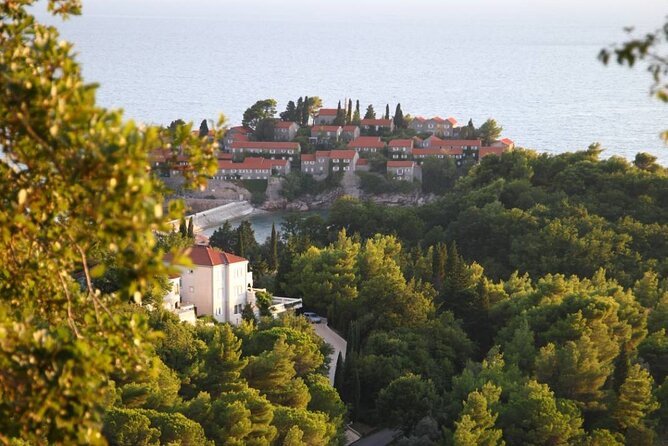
[312, 317]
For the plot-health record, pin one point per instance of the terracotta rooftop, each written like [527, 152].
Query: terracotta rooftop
[284, 124]
[445, 143]
[324, 128]
[208, 256]
[401, 143]
[238, 129]
[377, 122]
[367, 141]
[327, 112]
[308, 157]
[401, 164]
[251, 163]
[322, 153]
[362, 162]
[265, 145]
[452, 120]
[350, 128]
[484, 151]
[342, 154]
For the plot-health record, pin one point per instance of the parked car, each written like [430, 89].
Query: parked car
[312, 317]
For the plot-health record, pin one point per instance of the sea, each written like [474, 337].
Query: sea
[540, 79]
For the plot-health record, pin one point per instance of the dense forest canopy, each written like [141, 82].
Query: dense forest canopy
[528, 305]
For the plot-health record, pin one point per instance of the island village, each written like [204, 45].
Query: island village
[332, 145]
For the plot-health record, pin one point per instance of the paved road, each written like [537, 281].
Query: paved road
[380, 438]
[335, 341]
[339, 345]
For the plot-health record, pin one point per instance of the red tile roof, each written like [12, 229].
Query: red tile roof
[342, 154]
[327, 112]
[401, 164]
[452, 120]
[350, 128]
[238, 129]
[308, 157]
[508, 141]
[401, 143]
[434, 140]
[265, 145]
[322, 153]
[362, 162]
[208, 256]
[316, 130]
[224, 156]
[484, 151]
[367, 141]
[377, 122]
[284, 124]
[251, 163]
[239, 137]
[456, 143]
[438, 119]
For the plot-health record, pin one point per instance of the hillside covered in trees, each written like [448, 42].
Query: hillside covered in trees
[527, 306]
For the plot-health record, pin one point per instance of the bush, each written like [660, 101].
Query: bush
[376, 184]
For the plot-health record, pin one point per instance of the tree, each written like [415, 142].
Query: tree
[183, 227]
[129, 427]
[349, 112]
[370, 113]
[264, 129]
[263, 109]
[83, 184]
[273, 249]
[223, 363]
[290, 113]
[356, 116]
[191, 228]
[203, 129]
[399, 118]
[468, 132]
[476, 424]
[387, 112]
[224, 237]
[489, 132]
[406, 401]
[340, 115]
[635, 399]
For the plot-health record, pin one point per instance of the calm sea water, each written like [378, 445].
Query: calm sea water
[541, 81]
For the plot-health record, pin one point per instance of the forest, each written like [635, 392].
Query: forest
[528, 305]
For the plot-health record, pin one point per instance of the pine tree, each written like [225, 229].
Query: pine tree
[349, 112]
[290, 113]
[273, 246]
[203, 129]
[356, 116]
[387, 111]
[476, 424]
[191, 228]
[399, 118]
[635, 400]
[223, 363]
[370, 112]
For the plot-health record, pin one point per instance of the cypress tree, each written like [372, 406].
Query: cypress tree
[387, 111]
[203, 129]
[305, 111]
[340, 115]
[399, 118]
[356, 116]
[273, 246]
[349, 114]
[439, 261]
[339, 374]
[183, 227]
[290, 113]
[299, 111]
[191, 228]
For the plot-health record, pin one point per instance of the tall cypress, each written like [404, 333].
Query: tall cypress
[387, 111]
[356, 116]
[339, 377]
[203, 129]
[349, 114]
[399, 118]
[191, 228]
[299, 111]
[340, 115]
[183, 227]
[273, 246]
[305, 111]
[241, 249]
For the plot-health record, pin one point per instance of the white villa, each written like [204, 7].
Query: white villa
[219, 284]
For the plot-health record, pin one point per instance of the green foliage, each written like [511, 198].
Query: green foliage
[489, 132]
[370, 112]
[129, 427]
[439, 175]
[476, 425]
[263, 109]
[635, 400]
[406, 400]
[372, 183]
